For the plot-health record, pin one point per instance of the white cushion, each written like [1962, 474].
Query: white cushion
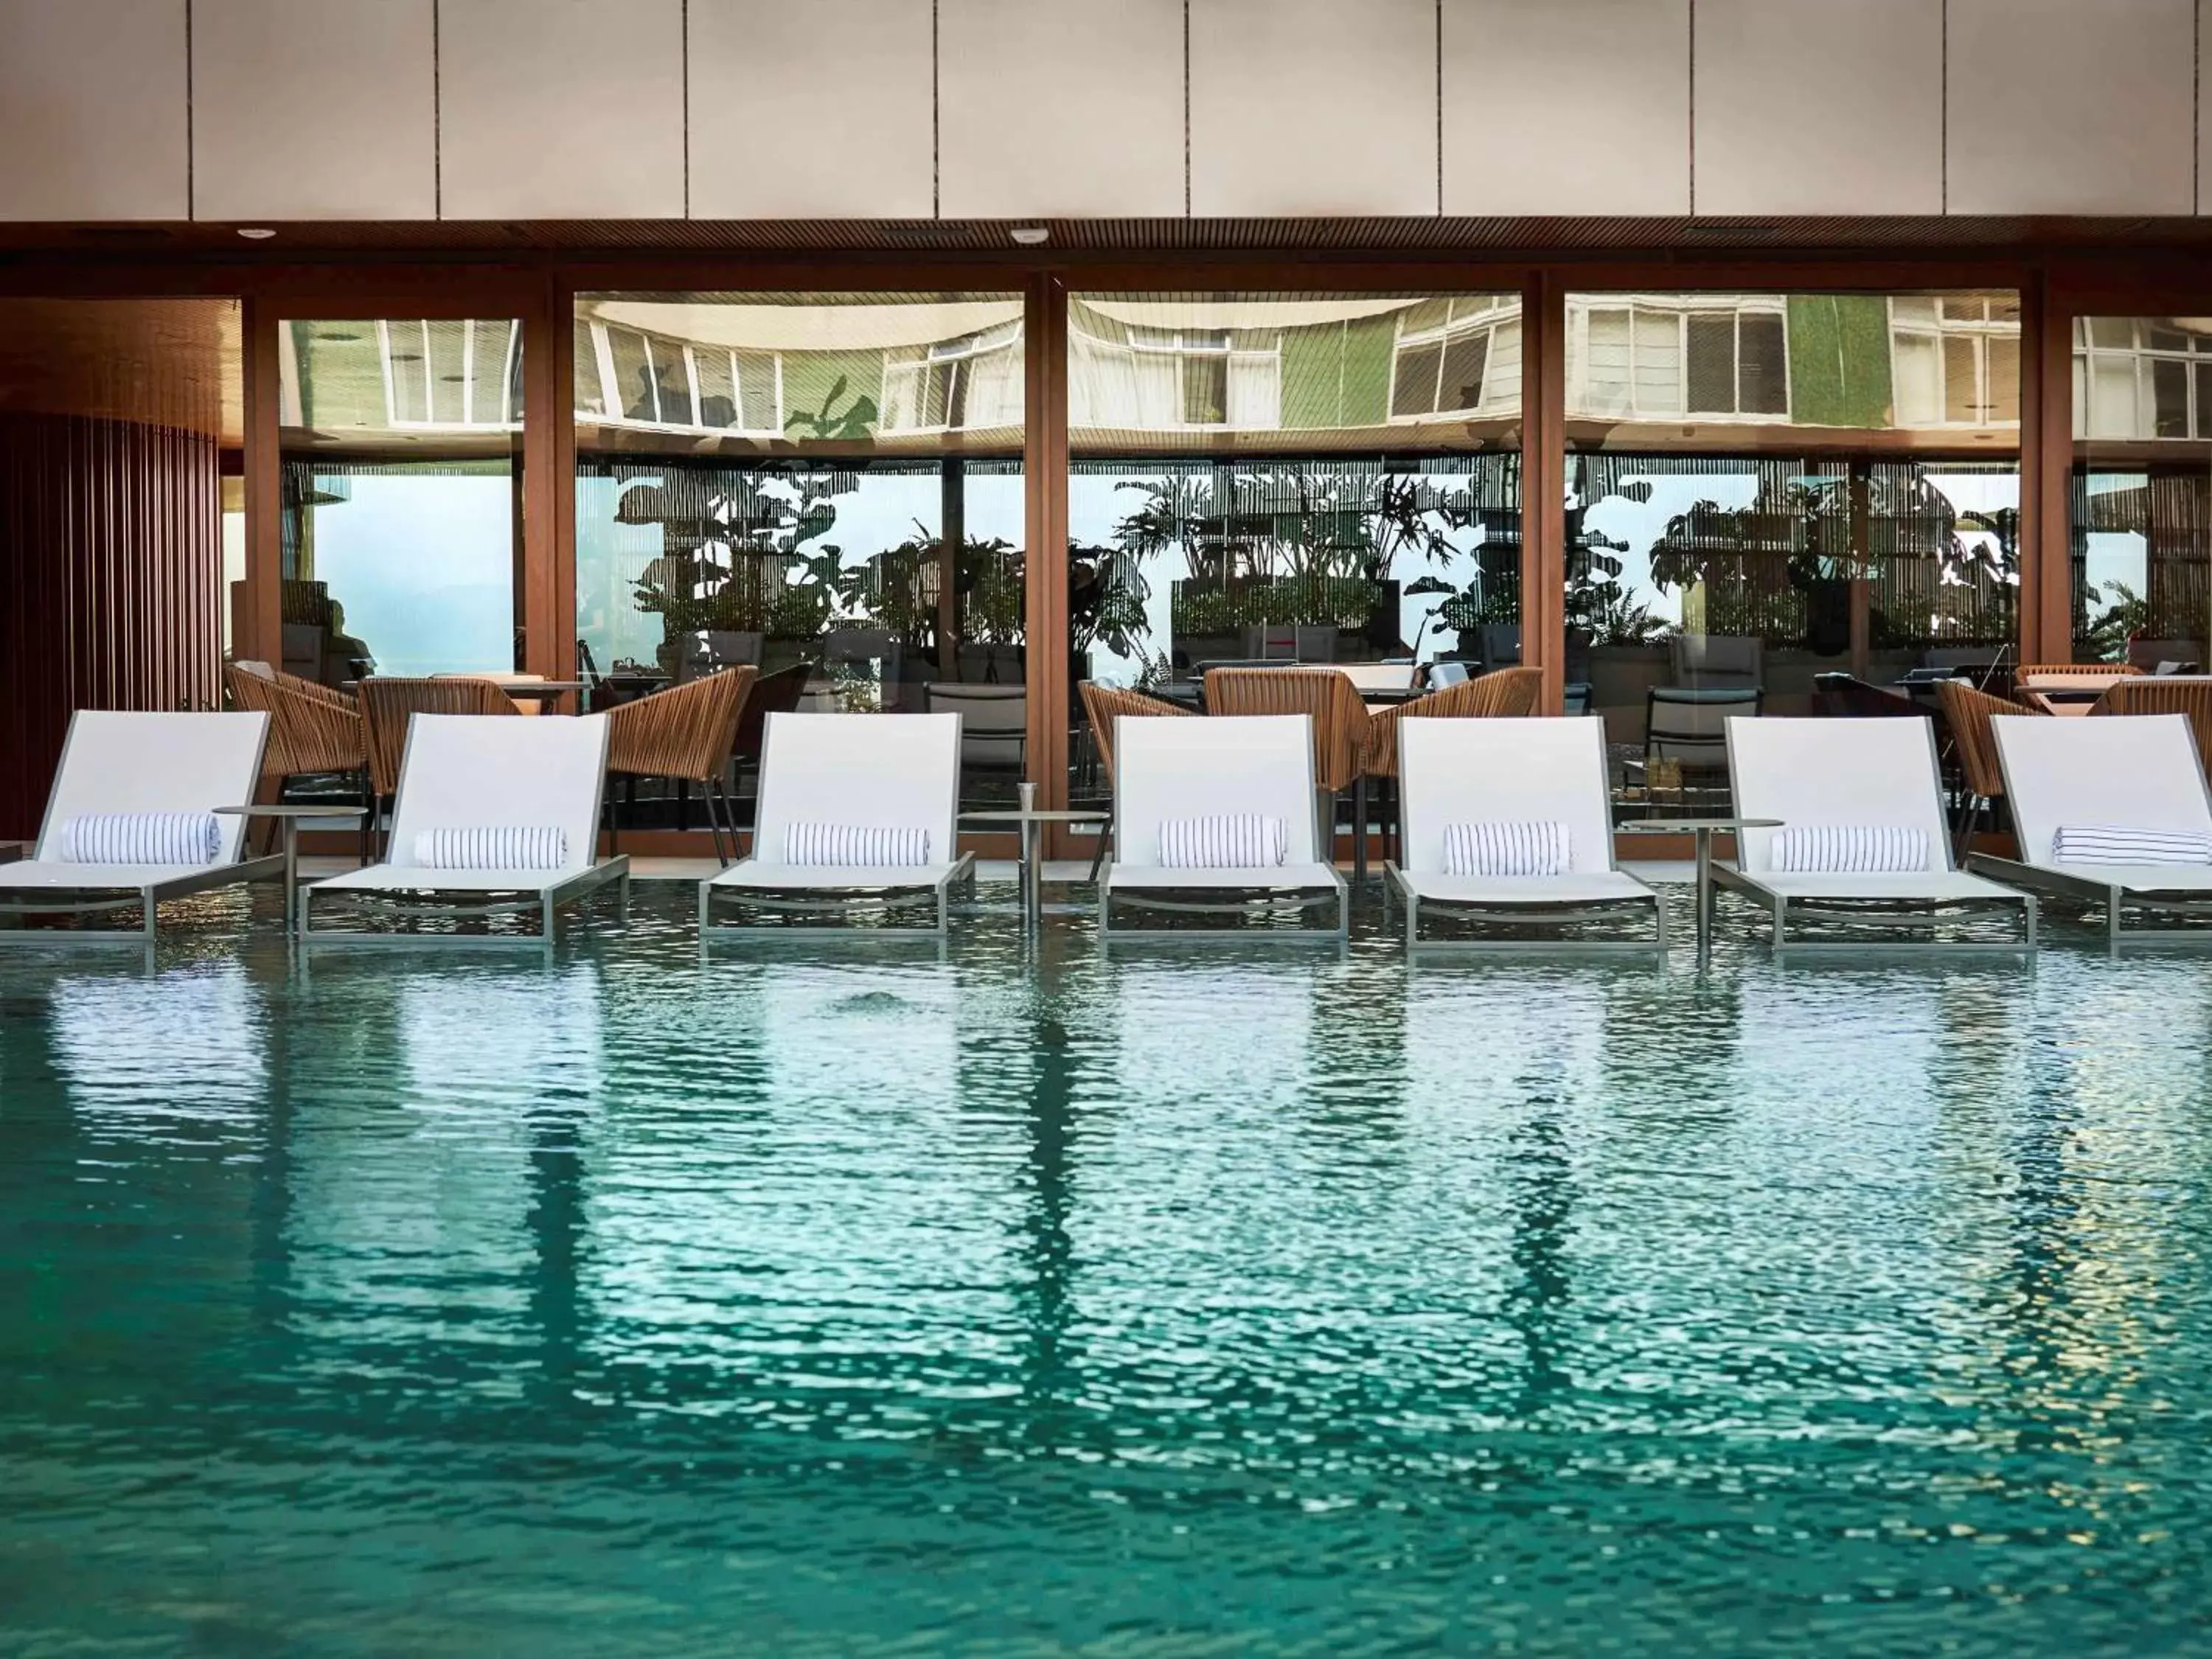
[2076, 843]
[1850, 849]
[1506, 850]
[158, 838]
[853, 845]
[1232, 841]
[507, 847]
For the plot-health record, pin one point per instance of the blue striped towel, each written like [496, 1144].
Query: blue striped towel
[854, 846]
[169, 838]
[1506, 849]
[504, 847]
[2105, 843]
[1850, 850]
[1233, 841]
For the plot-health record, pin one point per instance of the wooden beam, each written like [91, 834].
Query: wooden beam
[1543, 485]
[1044, 460]
[257, 625]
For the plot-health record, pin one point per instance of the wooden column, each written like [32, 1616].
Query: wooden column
[1044, 465]
[547, 458]
[1861, 567]
[951, 542]
[262, 636]
[1543, 485]
[2046, 462]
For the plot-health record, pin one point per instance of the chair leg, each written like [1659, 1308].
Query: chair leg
[367, 819]
[1105, 841]
[707, 791]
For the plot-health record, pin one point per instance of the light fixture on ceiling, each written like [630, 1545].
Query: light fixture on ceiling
[1031, 236]
[257, 232]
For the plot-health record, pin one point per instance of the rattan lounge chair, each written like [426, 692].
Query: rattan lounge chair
[2138, 774]
[116, 762]
[1814, 773]
[1257, 765]
[860, 772]
[1514, 771]
[488, 773]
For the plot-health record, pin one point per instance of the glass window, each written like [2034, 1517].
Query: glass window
[826, 488]
[1779, 503]
[1328, 478]
[2140, 538]
[401, 447]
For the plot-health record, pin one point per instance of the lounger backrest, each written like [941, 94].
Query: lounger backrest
[1225, 765]
[115, 761]
[1539, 771]
[871, 771]
[1809, 772]
[2139, 772]
[490, 772]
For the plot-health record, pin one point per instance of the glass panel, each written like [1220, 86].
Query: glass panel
[1833, 525]
[1346, 515]
[400, 447]
[845, 517]
[2142, 499]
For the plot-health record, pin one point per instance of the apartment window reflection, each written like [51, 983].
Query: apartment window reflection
[824, 490]
[2141, 539]
[401, 447]
[1782, 504]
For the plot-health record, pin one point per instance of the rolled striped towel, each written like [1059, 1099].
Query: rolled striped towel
[173, 838]
[854, 846]
[1850, 850]
[1506, 849]
[1231, 841]
[502, 846]
[2106, 843]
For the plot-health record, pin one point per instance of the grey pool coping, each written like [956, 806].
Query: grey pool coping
[1058, 871]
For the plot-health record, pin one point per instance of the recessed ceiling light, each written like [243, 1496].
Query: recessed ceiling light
[257, 234]
[1031, 236]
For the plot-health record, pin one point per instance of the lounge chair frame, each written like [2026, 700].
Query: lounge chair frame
[432, 899]
[1254, 901]
[2116, 898]
[1890, 915]
[1536, 912]
[94, 899]
[853, 899]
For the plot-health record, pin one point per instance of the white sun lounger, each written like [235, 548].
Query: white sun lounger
[1807, 773]
[1258, 764]
[1533, 771]
[2140, 772]
[482, 772]
[861, 771]
[118, 761]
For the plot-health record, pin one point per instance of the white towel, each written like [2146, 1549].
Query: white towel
[1232, 841]
[1853, 849]
[854, 846]
[2106, 843]
[1506, 850]
[504, 847]
[172, 838]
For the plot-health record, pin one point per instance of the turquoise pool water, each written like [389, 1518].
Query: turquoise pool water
[826, 1303]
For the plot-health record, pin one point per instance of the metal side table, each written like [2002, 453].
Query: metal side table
[291, 817]
[1704, 829]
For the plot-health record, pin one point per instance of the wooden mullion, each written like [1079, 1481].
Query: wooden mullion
[1543, 484]
[261, 634]
[1045, 485]
[2047, 461]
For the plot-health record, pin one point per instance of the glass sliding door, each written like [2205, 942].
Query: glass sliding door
[2141, 519]
[1325, 479]
[826, 488]
[1780, 503]
[401, 527]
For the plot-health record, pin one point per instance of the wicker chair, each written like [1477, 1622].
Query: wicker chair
[313, 731]
[388, 702]
[1967, 712]
[2026, 669]
[1102, 705]
[2152, 694]
[685, 732]
[1340, 732]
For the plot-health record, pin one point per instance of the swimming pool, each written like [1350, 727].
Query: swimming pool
[1271, 1302]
